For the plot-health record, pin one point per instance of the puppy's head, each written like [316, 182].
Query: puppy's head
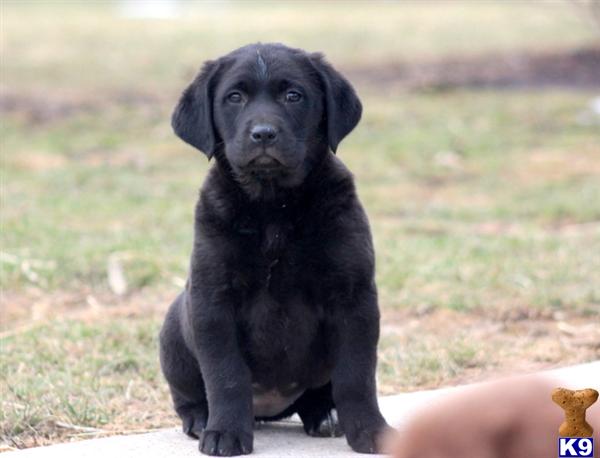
[269, 111]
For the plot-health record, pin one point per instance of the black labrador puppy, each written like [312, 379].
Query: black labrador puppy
[279, 315]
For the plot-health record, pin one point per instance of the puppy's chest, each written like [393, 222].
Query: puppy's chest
[273, 253]
[282, 316]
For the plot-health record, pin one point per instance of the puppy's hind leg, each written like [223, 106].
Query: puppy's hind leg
[181, 370]
[317, 412]
[193, 413]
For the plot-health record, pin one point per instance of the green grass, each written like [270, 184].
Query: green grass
[108, 370]
[420, 363]
[470, 228]
[484, 204]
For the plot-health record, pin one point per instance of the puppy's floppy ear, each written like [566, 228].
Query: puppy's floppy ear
[192, 119]
[343, 108]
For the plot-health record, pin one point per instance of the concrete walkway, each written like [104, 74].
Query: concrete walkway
[282, 439]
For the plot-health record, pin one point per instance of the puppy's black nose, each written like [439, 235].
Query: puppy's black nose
[263, 133]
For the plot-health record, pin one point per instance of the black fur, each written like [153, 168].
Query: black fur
[280, 312]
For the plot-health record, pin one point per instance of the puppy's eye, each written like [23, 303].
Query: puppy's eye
[293, 96]
[234, 97]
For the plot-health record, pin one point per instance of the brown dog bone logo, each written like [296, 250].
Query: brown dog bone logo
[574, 403]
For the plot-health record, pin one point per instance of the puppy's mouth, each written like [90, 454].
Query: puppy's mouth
[265, 165]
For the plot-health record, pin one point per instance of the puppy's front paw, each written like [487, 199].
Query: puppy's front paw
[225, 443]
[368, 440]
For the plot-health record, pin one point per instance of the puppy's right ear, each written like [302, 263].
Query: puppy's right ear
[192, 119]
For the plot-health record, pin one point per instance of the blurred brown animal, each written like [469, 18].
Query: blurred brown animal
[513, 418]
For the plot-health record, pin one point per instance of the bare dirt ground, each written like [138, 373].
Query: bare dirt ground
[505, 343]
[572, 68]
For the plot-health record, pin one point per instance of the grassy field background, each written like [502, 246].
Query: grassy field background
[484, 202]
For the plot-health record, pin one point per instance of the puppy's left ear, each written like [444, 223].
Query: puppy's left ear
[192, 119]
[343, 108]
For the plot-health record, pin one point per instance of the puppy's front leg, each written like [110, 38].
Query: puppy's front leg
[353, 378]
[226, 375]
